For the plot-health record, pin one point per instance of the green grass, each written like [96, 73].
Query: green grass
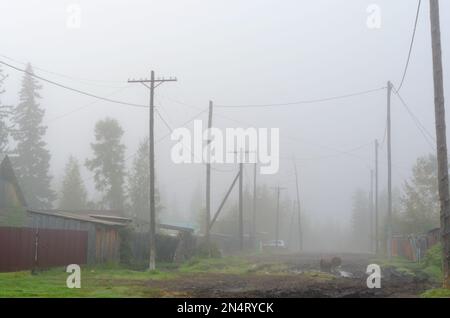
[430, 266]
[111, 280]
[95, 282]
[116, 281]
[433, 263]
[228, 265]
[437, 293]
[400, 264]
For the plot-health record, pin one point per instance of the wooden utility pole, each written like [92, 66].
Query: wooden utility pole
[371, 213]
[241, 210]
[389, 176]
[376, 197]
[150, 84]
[441, 139]
[224, 200]
[208, 180]
[277, 221]
[254, 206]
[300, 235]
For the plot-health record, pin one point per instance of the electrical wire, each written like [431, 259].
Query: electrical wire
[81, 80]
[74, 89]
[85, 106]
[311, 101]
[410, 46]
[429, 138]
[168, 126]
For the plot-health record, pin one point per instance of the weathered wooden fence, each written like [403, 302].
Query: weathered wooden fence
[27, 248]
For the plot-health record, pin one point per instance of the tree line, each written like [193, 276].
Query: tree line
[415, 205]
[22, 133]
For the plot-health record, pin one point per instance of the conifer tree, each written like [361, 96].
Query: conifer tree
[108, 163]
[73, 192]
[33, 161]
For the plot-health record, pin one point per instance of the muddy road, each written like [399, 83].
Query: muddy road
[295, 276]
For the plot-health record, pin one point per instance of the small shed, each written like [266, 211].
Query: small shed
[103, 230]
[433, 236]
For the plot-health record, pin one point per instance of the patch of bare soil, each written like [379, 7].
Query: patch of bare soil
[299, 279]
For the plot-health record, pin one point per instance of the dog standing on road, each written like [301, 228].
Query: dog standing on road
[330, 265]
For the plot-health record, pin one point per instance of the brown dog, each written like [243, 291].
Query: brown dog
[330, 265]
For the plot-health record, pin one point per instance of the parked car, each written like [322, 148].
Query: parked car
[274, 244]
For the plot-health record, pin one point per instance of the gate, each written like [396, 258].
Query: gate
[27, 248]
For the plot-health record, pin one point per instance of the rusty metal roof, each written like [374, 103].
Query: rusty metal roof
[72, 215]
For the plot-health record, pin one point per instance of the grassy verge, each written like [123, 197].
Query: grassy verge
[430, 267]
[112, 280]
[401, 265]
[437, 293]
[226, 265]
[117, 281]
[95, 282]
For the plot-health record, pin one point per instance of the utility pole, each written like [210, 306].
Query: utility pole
[208, 180]
[371, 212]
[441, 142]
[277, 222]
[376, 196]
[300, 236]
[254, 206]
[241, 197]
[389, 168]
[150, 84]
[241, 210]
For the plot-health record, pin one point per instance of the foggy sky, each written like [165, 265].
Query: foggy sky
[235, 52]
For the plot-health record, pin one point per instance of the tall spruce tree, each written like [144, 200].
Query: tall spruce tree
[73, 192]
[139, 185]
[33, 161]
[108, 163]
[5, 112]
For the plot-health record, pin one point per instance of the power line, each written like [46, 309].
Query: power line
[340, 153]
[425, 133]
[311, 101]
[81, 80]
[85, 106]
[168, 126]
[184, 124]
[73, 89]
[410, 46]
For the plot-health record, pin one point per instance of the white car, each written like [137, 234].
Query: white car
[275, 243]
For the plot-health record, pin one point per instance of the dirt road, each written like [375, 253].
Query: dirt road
[294, 276]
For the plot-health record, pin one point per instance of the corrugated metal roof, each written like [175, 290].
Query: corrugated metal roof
[73, 216]
[108, 213]
[111, 218]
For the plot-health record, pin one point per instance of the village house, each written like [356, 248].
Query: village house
[102, 227]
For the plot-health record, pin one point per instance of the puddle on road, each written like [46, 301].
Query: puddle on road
[339, 273]
[345, 274]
